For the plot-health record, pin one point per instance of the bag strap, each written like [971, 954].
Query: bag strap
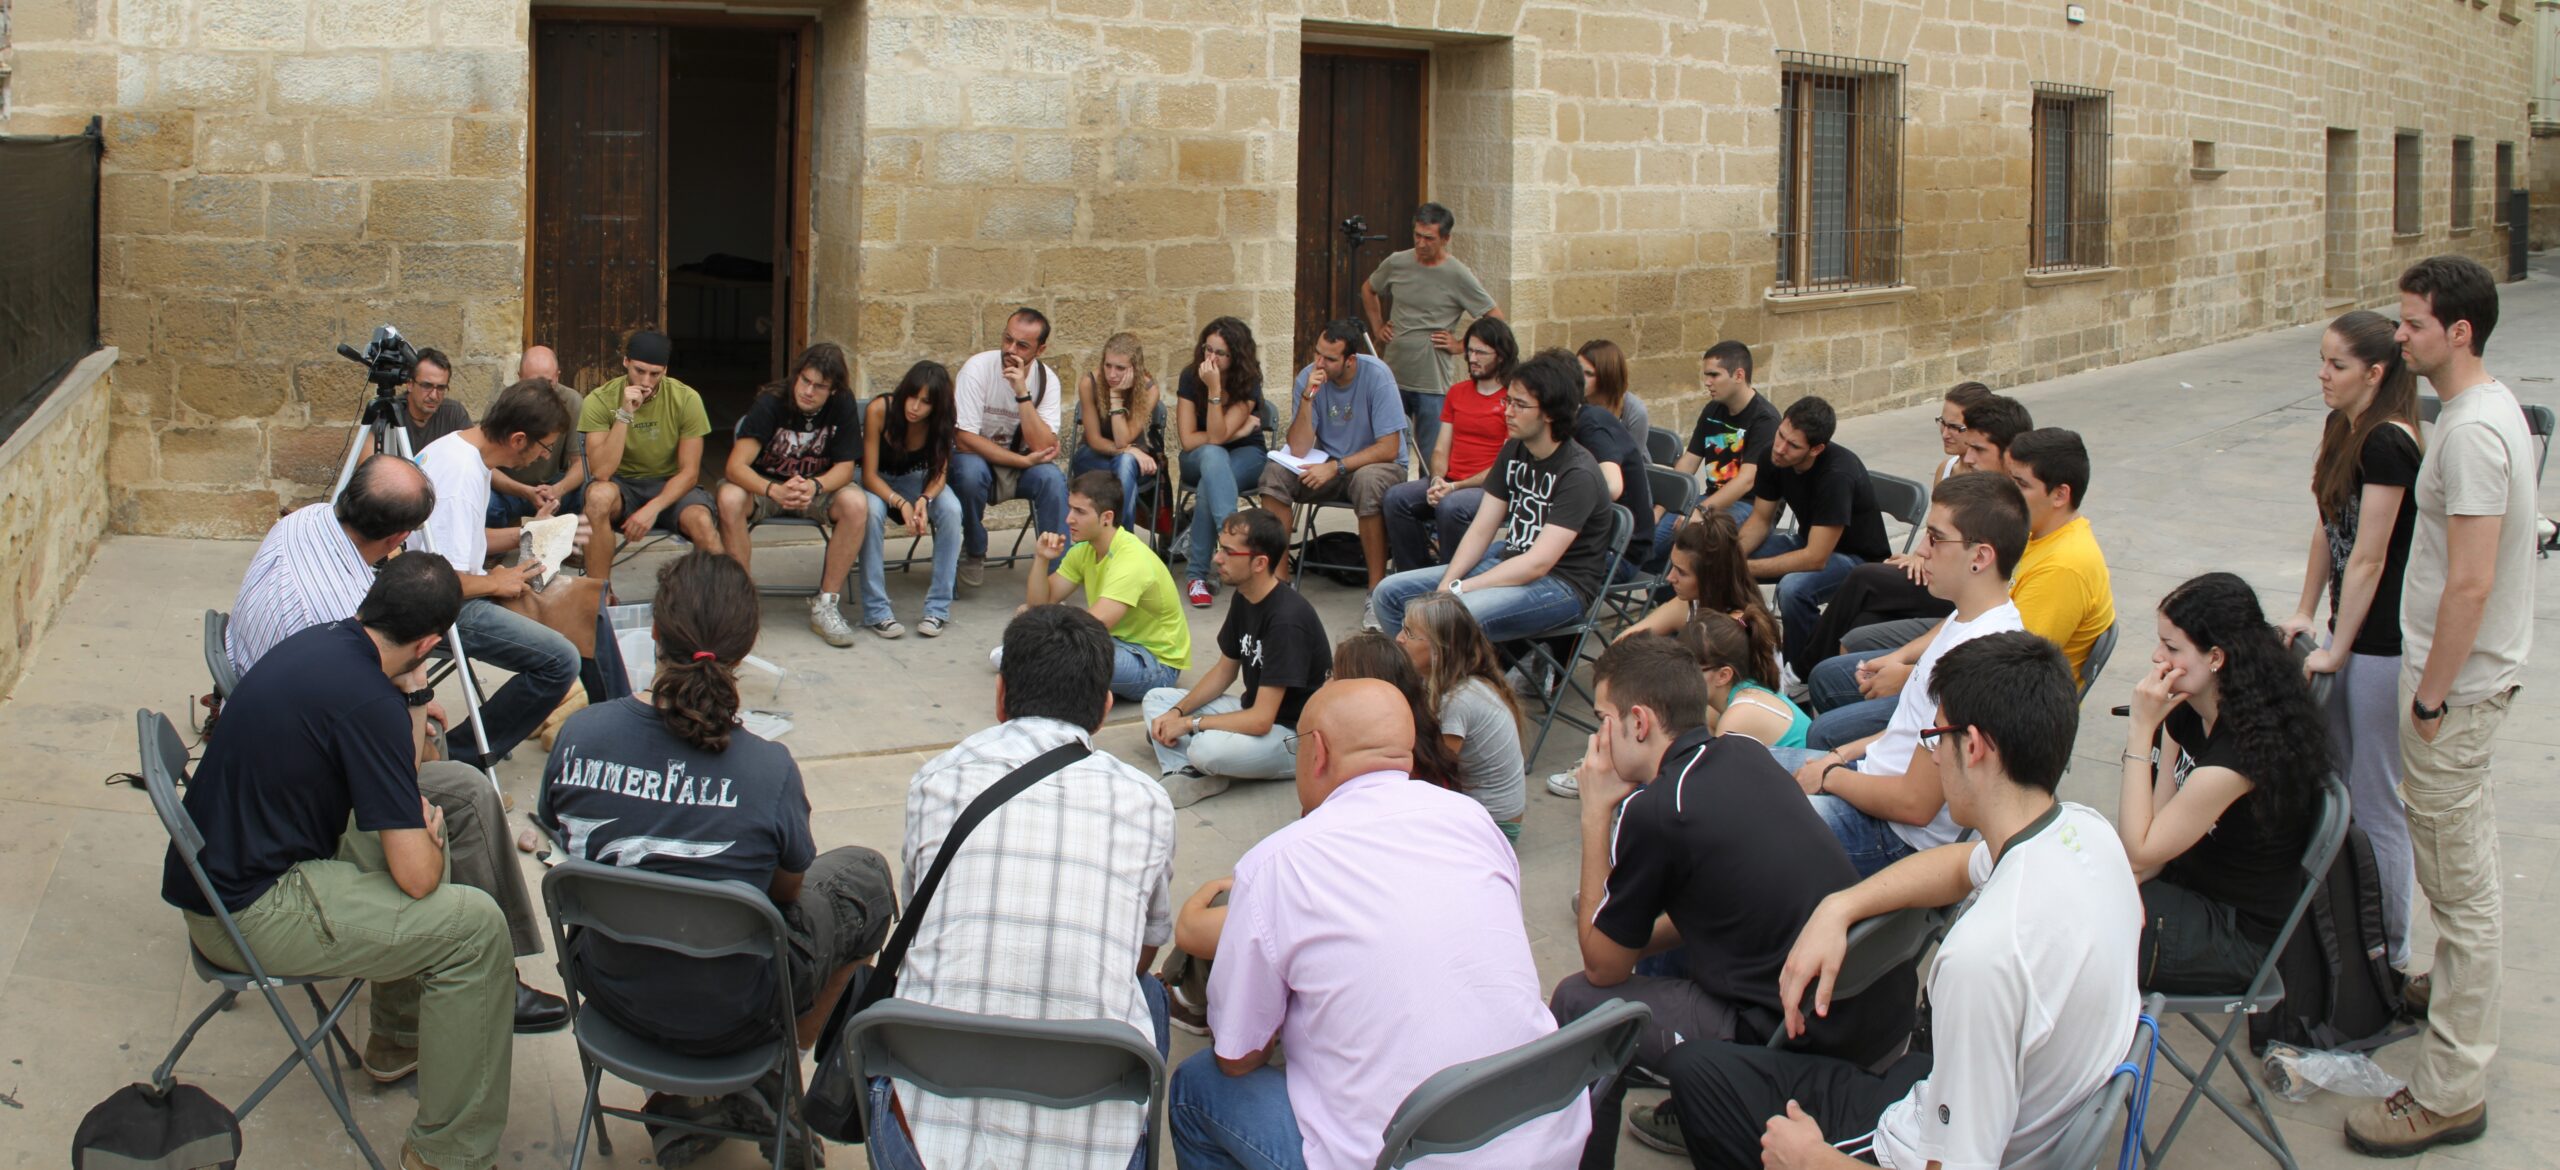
[884, 974]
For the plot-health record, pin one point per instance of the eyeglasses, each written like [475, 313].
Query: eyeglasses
[1952, 428]
[1929, 736]
[1935, 540]
[1516, 404]
[544, 446]
[438, 387]
[1479, 353]
[1290, 741]
[1238, 553]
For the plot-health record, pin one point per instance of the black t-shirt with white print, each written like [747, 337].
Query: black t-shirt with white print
[1278, 642]
[805, 445]
[1563, 489]
[1833, 493]
[621, 789]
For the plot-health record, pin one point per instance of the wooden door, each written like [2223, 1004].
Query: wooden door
[599, 204]
[1360, 153]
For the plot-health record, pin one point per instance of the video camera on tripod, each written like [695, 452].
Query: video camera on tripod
[389, 362]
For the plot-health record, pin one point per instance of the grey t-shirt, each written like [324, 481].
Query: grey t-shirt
[1421, 299]
[448, 418]
[2479, 462]
[1493, 771]
[1639, 420]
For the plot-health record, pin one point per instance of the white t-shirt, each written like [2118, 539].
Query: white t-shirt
[2479, 463]
[2034, 1001]
[984, 400]
[459, 525]
[1892, 753]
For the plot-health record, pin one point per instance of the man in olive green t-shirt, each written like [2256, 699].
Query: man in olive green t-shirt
[1415, 302]
[1124, 584]
[644, 435]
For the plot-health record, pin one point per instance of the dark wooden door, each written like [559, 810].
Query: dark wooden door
[1360, 120]
[599, 191]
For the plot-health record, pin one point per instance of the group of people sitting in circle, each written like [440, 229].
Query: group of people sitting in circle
[1891, 736]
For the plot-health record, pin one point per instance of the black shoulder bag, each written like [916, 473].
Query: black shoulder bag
[833, 1104]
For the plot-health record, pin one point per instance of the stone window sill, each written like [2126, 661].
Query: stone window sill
[2207, 173]
[2460, 232]
[2397, 236]
[1781, 302]
[2069, 276]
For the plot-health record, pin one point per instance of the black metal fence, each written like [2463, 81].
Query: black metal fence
[48, 265]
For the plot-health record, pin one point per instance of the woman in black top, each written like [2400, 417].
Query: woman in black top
[1218, 412]
[2217, 838]
[906, 468]
[2364, 481]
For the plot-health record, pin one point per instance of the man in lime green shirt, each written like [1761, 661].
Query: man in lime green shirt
[644, 435]
[1124, 584]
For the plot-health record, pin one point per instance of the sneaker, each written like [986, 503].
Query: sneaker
[887, 629]
[932, 627]
[1659, 1127]
[386, 1062]
[1198, 594]
[1531, 683]
[1181, 1010]
[2398, 1127]
[973, 571]
[826, 619]
[1189, 787]
[2416, 993]
[676, 1147]
[1563, 784]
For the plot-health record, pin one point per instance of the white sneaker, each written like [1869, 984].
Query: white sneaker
[826, 619]
[932, 627]
[1563, 784]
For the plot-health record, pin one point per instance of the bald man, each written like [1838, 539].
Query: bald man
[517, 494]
[1390, 899]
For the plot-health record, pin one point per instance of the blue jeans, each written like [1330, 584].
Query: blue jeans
[1425, 409]
[544, 662]
[1125, 466]
[1800, 595]
[890, 1149]
[1412, 520]
[506, 511]
[1506, 612]
[974, 480]
[1871, 844]
[943, 514]
[1844, 715]
[1135, 671]
[1221, 1122]
[1218, 474]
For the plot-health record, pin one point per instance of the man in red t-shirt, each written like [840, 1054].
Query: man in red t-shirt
[1471, 434]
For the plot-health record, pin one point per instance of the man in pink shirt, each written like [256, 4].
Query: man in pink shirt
[1369, 994]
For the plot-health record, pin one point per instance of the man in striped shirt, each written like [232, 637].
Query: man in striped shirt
[316, 564]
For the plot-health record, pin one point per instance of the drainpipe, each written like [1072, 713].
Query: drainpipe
[2546, 68]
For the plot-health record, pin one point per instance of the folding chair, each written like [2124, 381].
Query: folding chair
[2096, 662]
[1579, 632]
[2301, 647]
[2538, 422]
[1150, 488]
[217, 655]
[1055, 1064]
[1303, 546]
[694, 919]
[2265, 991]
[1906, 500]
[1464, 1106]
[2116, 1108]
[826, 533]
[162, 753]
[1878, 947]
[1662, 446]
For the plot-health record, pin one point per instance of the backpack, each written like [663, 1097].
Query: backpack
[2340, 991]
[141, 1127]
[1329, 554]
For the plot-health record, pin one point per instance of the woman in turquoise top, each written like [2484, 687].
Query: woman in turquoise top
[1732, 652]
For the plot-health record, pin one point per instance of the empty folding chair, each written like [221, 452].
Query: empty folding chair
[1465, 1106]
[162, 754]
[1906, 500]
[1055, 1064]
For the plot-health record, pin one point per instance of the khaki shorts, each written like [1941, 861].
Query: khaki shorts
[767, 509]
[1365, 487]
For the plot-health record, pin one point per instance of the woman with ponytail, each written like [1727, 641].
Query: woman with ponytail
[1735, 654]
[671, 784]
[2216, 819]
[2364, 482]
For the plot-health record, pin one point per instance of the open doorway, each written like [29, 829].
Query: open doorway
[668, 192]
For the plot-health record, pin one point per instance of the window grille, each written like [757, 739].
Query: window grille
[2068, 224]
[1839, 173]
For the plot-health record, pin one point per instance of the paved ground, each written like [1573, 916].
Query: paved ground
[2202, 464]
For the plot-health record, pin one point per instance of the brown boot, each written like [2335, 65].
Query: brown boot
[409, 1159]
[386, 1062]
[2399, 1127]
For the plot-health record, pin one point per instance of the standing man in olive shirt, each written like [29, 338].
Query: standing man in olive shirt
[1415, 301]
[644, 454]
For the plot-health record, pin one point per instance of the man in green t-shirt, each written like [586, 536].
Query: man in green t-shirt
[644, 454]
[1124, 584]
[1415, 302]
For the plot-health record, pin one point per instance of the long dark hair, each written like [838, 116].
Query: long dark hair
[1713, 544]
[1749, 645]
[931, 379]
[706, 614]
[1244, 359]
[2370, 337]
[1371, 654]
[2265, 707]
[1608, 389]
[827, 358]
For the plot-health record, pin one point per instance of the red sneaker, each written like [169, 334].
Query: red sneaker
[1198, 594]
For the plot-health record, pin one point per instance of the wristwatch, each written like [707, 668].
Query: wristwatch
[1457, 587]
[420, 697]
[1195, 725]
[1022, 398]
[2419, 708]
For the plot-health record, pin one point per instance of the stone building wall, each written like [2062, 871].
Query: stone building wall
[53, 507]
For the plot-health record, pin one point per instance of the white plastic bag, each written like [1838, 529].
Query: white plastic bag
[2296, 1074]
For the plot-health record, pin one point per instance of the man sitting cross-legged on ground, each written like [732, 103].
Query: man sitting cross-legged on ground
[331, 862]
[644, 434]
[1880, 794]
[1347, 414]
[2032, 999]
[1534, 556]
[1124, 584]
[672, 785]
[798, 449]
[1697, 851]
[1050, 910]
[1838, 528]
[1273, 639]
[1328, 947]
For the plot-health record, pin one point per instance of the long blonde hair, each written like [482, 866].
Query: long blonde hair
[1126, 345]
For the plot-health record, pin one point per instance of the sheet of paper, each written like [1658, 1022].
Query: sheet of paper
[1315, 458]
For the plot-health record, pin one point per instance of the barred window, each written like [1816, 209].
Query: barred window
[1839, 173]
[2506, 176]
[2068, 224]
[2462, 183]
[2404, 183]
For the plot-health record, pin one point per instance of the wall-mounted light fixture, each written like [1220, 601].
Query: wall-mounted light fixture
[2075, 13]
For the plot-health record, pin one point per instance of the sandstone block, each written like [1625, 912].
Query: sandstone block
[1195, 266]
[325, 85]
[205, 81]
[124, 321]
[250, 145]
[212, 455]
[68, 75]
[1028, 215]
[218, 206]
[895, 158]
[945, 331]
[133, 202]
[1036, 102]
[479, 269]
[389, 24]
[306, 455]
[1152, 49]
[981, 269]
[447, 210]
[156, 24]
[1159, 214]
[342, 267]
[197, 513]
[131, 456]
[1228, 54]
[1176, 106]
[250, 390]
[294, 330]
[459, 81]
[168, 263]
[881, 325]
[897, 103]
[1211, 160]
[150, 141]
[250, 24]
[972, 158]
[1093, 267]
[301, 209]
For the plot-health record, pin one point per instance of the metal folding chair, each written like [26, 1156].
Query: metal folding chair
[1186, 495]
[2265, 991]
[2096, 662]
[1464, 1106]
[1878, 947]
[1674, 493]
[1662, 446]
[163, 753]
[694, 919]
[217, 655]
[1303, 545]
[1906, 500]
[1055, 1064]
[2112, 1111]
[1578, 634]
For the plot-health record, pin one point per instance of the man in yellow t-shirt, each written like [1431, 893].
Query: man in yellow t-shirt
[1124, 584]
[2061, 588]
[643, 435]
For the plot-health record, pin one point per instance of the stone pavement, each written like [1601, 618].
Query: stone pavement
[2202, 463]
